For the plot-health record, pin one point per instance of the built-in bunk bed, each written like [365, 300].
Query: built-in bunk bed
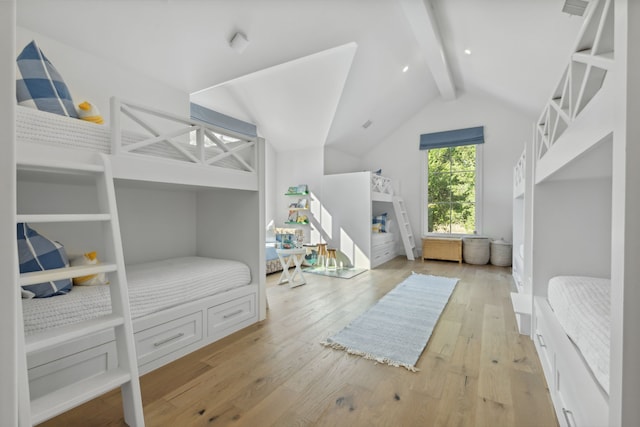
[190, 206]
[367, 230]
[571, 227]
[522, 299]
[519, 184]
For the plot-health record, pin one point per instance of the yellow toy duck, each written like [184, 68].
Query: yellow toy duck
[90, 113]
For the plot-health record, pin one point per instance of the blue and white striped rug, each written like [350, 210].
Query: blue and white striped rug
[396, 330]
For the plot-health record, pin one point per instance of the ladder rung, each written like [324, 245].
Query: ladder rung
[33, 218]
[66, 333]
[64, 273]
[47, 165]
[63, 399]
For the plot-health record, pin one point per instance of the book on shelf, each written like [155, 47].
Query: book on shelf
[297, 189]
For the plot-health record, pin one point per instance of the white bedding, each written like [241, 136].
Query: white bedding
[153, 286]
[582, 306]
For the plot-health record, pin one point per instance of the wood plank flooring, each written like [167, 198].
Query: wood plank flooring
[476, 371]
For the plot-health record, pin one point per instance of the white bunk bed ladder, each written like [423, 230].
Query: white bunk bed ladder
[405, 227]
[125, 375]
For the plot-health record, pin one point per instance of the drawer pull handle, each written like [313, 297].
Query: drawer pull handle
[568, 416]
[541, 340]
[166, 340]
[235, 313]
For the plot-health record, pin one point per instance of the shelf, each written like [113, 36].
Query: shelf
[296, 194]
[296, 223]
[298, 209]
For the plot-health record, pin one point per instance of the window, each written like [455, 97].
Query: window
[451, 176]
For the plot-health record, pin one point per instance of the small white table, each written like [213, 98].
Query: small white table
[286, 256]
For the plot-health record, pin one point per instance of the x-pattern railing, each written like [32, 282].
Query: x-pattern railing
[206, 136]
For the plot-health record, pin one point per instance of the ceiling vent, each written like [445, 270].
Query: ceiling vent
[575, 7]
[366, 124]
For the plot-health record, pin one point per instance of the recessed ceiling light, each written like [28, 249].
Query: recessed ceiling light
[366, 124]
[406, 67]
[467, 51]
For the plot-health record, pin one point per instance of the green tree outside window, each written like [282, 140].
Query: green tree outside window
[452, 190]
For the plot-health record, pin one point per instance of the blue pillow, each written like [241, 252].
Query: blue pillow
[37, 253]
[39, 85]
[382, 220]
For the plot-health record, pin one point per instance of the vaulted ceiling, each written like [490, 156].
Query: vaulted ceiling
[315, 71]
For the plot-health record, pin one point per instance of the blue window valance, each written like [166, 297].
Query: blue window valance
[206, 115]
[452, 138]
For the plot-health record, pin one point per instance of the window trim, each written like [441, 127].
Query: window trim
[424, 185]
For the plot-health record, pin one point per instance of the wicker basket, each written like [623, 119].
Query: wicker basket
[500, 253]
[475, 250]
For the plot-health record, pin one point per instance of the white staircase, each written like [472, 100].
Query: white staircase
[405, 228]
[126, 374]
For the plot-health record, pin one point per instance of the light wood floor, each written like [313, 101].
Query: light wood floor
[476, 371]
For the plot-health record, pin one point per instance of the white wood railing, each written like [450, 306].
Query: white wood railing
[188, 140]
[381, 184]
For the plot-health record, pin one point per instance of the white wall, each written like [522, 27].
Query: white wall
[505, 133]
[337, 161]
[300, 167]
[156, 223]
[271, 183]
[95, 79]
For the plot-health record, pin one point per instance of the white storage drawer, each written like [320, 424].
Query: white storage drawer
[382, 253]
[577, 398]
[580, 402]
[70, 367]
[544, 344]
[162, 339]
[379, 239]
[231, 315]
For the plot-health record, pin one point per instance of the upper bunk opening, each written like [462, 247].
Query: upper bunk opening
[579, 113]
[147, 145]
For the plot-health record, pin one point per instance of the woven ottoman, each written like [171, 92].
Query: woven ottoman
[475, 250]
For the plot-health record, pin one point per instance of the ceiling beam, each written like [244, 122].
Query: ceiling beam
[421, 18]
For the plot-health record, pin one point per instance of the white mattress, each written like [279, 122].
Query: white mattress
[582, 306]
[153, 286]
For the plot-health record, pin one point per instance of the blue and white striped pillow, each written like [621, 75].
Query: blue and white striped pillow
[39, 85]
[37, 253]
[382, 220]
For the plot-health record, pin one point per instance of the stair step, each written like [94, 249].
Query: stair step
[64, 273]
[35, 218]
[61, 400]
[66, 333]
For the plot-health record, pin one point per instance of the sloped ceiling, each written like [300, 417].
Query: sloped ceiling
[293, 104]
[338, 61]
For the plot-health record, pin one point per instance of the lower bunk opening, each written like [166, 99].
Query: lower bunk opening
[178, 305]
